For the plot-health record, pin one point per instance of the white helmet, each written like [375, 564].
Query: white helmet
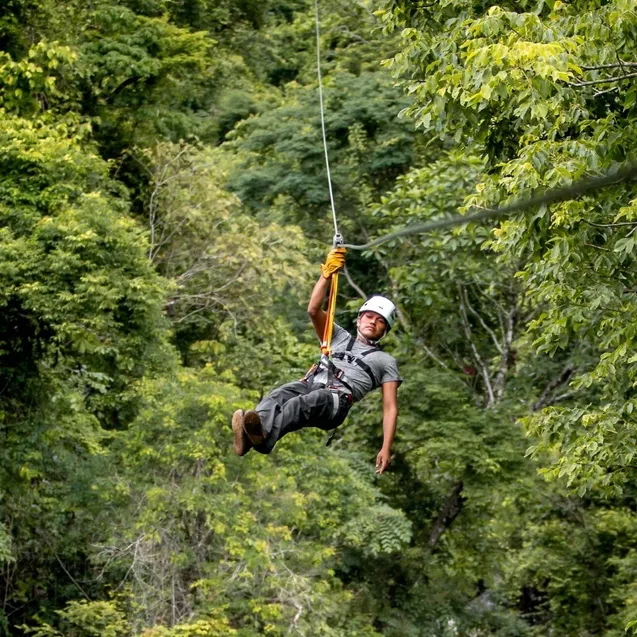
[381, 305]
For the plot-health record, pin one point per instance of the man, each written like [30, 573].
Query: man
[323, 398]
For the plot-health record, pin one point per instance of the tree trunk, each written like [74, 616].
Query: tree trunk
[449, 513]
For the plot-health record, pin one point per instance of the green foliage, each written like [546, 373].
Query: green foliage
[454, 570]
[543, 95]
[86, 619]
[539, 91]
[198, 522]
[143, 77]
[280, 156]
[378, 530]
[72, 262]
[118, 484]
[224, 265]
[81, 321]
[30, 85]
[208, 627]
[6, 554]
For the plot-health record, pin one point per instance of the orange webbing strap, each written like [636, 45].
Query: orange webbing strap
[326, 345]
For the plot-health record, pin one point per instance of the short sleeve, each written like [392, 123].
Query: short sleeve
[339, 336]
[391, 373]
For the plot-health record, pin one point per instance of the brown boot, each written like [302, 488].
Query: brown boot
[252, 427]
[241, 443]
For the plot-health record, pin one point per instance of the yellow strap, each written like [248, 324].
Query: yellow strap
[326, 345]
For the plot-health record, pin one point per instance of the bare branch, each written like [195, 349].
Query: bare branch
[458, 362]
[614, 65]
[606, 90]
[605, 80]
[57, 557]
[592, 245]
[299, 611]
[353, 285]
[482, 322]
[610, 225]
[566, 395]
[509, 335]
[433, 356]
[483, 370]
[547, 397]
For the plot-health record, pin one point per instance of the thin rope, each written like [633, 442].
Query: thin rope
[320, 84]
[550, 196]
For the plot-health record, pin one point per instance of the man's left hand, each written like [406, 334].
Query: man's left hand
[382, 460]
[334, 262]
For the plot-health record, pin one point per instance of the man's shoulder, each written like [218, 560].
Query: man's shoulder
[382, 356]
[340, 335]
[341, 339]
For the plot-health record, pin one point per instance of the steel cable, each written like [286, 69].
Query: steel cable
[554, 195]
[320, 85]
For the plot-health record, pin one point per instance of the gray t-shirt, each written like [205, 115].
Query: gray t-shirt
[382, 365]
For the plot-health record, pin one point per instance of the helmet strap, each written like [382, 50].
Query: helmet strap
[365, 340]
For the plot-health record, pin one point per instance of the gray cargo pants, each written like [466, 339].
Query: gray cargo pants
[296, 405]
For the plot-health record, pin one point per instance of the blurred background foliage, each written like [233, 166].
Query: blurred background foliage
[163, 210]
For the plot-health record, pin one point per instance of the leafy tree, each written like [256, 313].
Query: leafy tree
[81, 322]
[545, 95]
[281, 161]
[223, 265]
[117, 481]
[541, 96]
[249, 541]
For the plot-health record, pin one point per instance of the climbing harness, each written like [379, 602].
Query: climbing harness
[357, 359]
[337, 374]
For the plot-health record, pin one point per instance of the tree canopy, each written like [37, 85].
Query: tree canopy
[163, 211]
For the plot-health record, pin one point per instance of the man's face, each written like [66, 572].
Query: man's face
[371, 325]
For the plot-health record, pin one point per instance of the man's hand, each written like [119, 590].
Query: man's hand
[382, 460]
[334, 262]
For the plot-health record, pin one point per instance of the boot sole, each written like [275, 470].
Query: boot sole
[252, 427]
[240, 442]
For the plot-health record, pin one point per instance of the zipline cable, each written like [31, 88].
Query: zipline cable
[326, 343]
[320, 86]
[628, 171]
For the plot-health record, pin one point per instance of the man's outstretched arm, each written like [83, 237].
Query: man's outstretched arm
[390, 416]
[334, 262]
[315, 306]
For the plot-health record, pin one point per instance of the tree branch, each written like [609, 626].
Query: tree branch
[433, 356]
[605, 80]
[592, 245]
[353, 285]
[610, 225]
[482, 367]
[57, 557]
[547, 397]
[606, 90]
[613, 65]
[449, 513]
[508, 336]
[482, 322]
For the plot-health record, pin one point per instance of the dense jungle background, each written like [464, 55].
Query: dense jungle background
[163, 211]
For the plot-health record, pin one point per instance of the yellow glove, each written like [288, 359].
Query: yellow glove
[334, 262]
